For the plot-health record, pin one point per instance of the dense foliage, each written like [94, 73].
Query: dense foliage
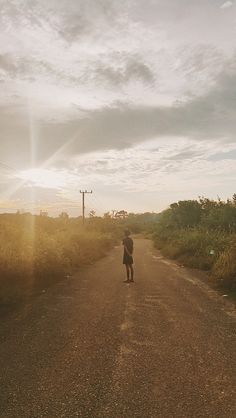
[201, 233]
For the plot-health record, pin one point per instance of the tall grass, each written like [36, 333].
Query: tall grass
[36, 251]
[201, 234]
[224, 269]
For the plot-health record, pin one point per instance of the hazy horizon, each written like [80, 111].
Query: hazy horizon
[134, 100]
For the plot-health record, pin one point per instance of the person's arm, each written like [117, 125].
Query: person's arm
[126, 249]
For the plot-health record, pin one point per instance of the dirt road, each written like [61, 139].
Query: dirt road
[93, 346]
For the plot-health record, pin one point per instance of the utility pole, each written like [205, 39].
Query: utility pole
[83, 192]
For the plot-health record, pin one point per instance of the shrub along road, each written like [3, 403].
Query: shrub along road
[93, 346]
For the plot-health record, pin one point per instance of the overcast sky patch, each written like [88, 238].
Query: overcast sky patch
[102, 77]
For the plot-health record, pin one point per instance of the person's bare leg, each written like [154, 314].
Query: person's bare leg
[127, 271]
[132, 272]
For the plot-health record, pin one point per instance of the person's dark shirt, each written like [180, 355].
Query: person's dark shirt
[128, 243]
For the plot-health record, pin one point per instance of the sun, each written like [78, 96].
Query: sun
[42, 177]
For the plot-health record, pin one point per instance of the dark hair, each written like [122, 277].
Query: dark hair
[127, 232]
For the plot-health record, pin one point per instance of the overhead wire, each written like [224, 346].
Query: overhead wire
[97, 205]
[100, 204]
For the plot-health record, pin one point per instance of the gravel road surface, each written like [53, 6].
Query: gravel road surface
[93, 346]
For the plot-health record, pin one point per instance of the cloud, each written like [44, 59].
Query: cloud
[84, 19]
[228, 155]
[97, 76]
[187, 153]
[137, 169]
[117, 176]
[94, 53]
[226, 5]
[86, 85]
[210, 116]
[7, 64]
[126, 69]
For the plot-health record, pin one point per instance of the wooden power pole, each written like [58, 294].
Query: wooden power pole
[83, 192]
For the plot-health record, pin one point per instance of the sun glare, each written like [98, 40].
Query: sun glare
[41, 177]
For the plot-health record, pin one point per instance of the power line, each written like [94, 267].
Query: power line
[96, 205]
[101, 205]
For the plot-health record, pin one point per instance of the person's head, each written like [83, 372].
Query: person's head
[127, 233]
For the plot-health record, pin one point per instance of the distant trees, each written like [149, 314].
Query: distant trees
[116, 214]
[211, 214]
[64, 215]
[186, 213]
[107, 215]
[43, 213]
[234, 199]
[92, 213]
[121, 214]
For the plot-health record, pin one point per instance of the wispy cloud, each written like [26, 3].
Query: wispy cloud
[226, 5]
[175, 170]
[211, 115]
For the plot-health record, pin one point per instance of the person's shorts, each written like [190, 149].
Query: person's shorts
[128, 259]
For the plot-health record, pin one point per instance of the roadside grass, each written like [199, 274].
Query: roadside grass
[201, 234]
[232, 295]
[224, 269]
[210, 251]
[194, 248]
[37, 251]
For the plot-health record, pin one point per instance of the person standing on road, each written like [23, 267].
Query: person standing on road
[128, 257]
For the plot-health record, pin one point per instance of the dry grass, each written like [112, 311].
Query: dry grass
[37, 251]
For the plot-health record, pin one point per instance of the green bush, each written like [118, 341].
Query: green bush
[201, 234]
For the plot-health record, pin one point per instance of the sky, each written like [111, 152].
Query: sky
[132, 99]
